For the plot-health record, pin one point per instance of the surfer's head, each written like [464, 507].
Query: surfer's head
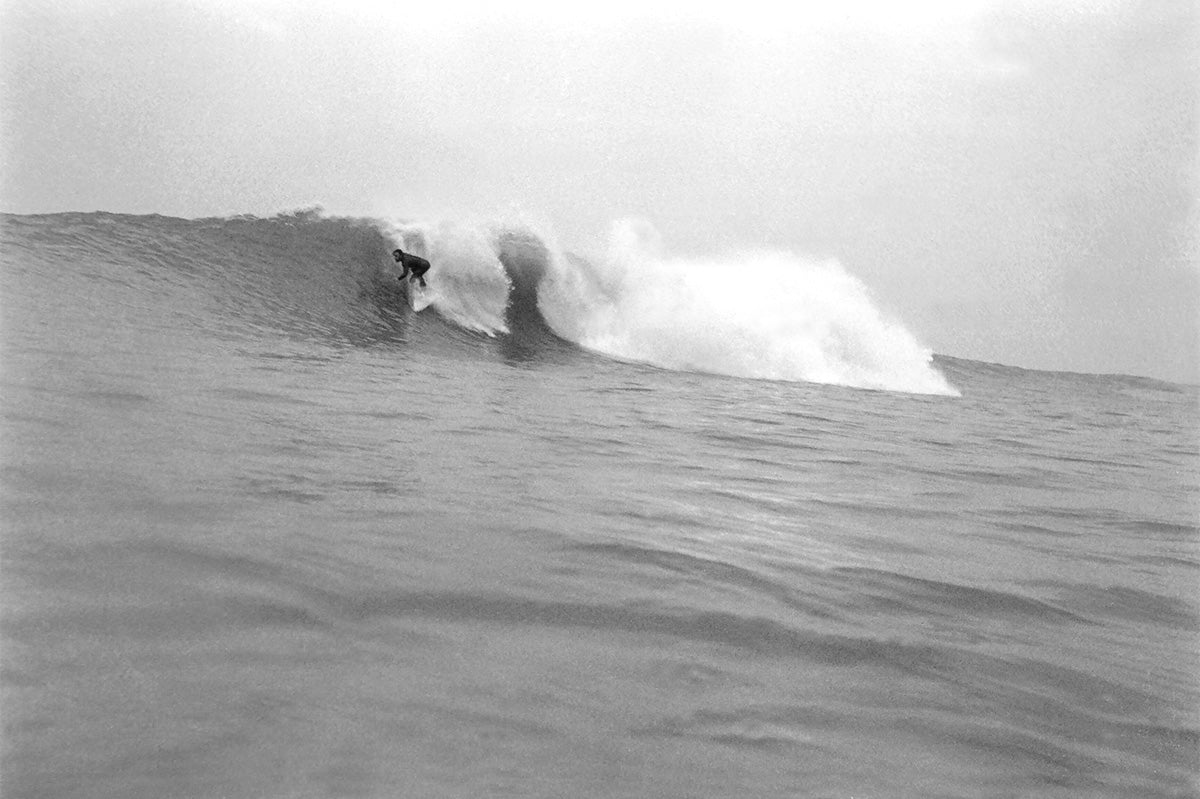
[397, 253]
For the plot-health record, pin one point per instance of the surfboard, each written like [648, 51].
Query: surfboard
[419, 298]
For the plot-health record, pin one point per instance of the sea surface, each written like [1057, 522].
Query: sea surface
[601, 526]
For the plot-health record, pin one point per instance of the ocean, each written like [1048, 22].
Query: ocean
[628, 524]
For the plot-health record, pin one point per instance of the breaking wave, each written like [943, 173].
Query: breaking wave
[754, 314]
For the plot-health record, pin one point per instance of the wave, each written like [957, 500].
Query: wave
[756, 314]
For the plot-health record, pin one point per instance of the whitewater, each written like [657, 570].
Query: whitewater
[623, 523]
[756, 314]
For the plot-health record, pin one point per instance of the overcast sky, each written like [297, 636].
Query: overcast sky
[1014, 181]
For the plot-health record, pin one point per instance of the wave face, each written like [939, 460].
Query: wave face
[769, 315]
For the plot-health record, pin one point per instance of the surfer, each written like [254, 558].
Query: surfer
[411, 263]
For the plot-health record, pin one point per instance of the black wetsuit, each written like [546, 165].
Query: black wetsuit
[411, 263]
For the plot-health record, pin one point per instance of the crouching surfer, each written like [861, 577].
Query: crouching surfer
[415, 264]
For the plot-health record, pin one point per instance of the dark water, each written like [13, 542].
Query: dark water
[267, 533]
